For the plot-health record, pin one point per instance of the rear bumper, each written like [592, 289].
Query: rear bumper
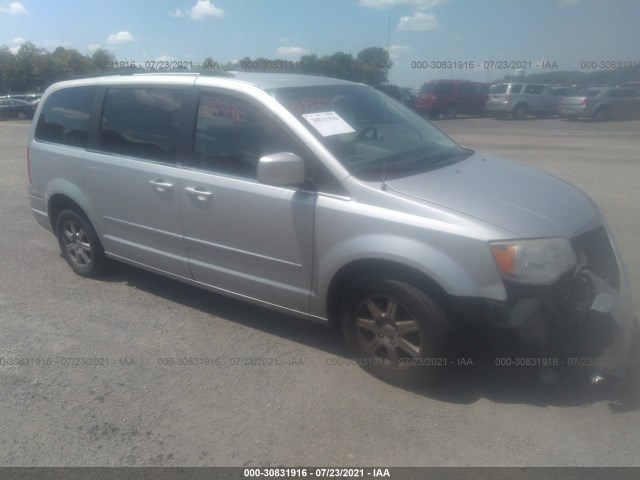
[574, 111]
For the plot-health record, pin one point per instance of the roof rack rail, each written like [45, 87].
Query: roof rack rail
[141, 71]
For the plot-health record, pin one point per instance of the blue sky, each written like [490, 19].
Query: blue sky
[566, 32]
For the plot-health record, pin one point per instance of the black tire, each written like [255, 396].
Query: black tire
[601, 114]
[572, 118]
[519, 113]
[403, 344]
[79, 244]
[434, 115]
[451, 112]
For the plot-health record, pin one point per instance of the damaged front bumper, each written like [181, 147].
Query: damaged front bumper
[585, 320]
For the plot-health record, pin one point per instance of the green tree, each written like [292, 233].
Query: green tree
[101, 60]
[8, 71]
[32, 67]
[373, 65]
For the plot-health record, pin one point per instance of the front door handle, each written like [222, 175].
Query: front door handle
[161, 185]
[199, 192]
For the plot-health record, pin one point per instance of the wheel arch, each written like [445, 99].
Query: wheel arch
[374, 267]
[62, 201]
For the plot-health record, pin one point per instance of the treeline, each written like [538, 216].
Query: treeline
[615, 76]
[370, 66]
[33, 69]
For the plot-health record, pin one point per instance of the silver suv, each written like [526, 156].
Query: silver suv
[326, 200]
[522, 99]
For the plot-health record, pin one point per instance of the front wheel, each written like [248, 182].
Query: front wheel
[397, 332]
[79, 244]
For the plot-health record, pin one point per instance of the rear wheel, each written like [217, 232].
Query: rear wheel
[79, 244]
[519, 113]
[397, 332]
[450, 112]
[601, 114]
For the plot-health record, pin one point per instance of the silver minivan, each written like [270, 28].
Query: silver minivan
[330, 201]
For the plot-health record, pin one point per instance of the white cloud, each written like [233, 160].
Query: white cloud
[177, 14]
[567, 3]
[396, 50]
[93, 47]
[14, 8]
[417, 4]
[205, 9]
[291, 51]
[15, 44]
[120, 37]
[418, 21]
[164, 58]
[235, 61]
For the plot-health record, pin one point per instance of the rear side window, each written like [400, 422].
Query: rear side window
[515, 88]
[141, 122]
[65, 116]
[534, 89]
[444, 88]
[499, 89]
[467, 88]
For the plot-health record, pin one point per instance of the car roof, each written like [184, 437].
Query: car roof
[264, 81]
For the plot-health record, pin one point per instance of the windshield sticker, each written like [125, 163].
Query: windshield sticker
[328, 123]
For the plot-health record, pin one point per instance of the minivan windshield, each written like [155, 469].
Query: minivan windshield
[370, 134]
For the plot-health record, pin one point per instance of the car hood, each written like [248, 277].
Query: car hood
[515, 197]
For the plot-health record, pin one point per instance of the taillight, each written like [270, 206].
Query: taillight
[585, 102]
[28, 165]
[507, 98]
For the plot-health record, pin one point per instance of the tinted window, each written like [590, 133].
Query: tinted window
[515, 88]
[232, 135]
[65, 116]
[534, 89]
[445, 88]
[614, 94]
[498, 89]
[466, 88]
[141, 122]
[589, 93]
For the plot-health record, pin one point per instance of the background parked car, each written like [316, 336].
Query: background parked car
[602, 104]
[390, 90]
[14, 108]
[564, 91]
[521, 99]
[451, 97]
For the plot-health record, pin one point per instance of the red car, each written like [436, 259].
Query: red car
[452, 97]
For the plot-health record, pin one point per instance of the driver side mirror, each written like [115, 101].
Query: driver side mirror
[281, 169]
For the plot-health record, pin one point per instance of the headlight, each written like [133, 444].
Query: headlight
[536, 262]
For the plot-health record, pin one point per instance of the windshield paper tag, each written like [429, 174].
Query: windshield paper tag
[328, 123]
